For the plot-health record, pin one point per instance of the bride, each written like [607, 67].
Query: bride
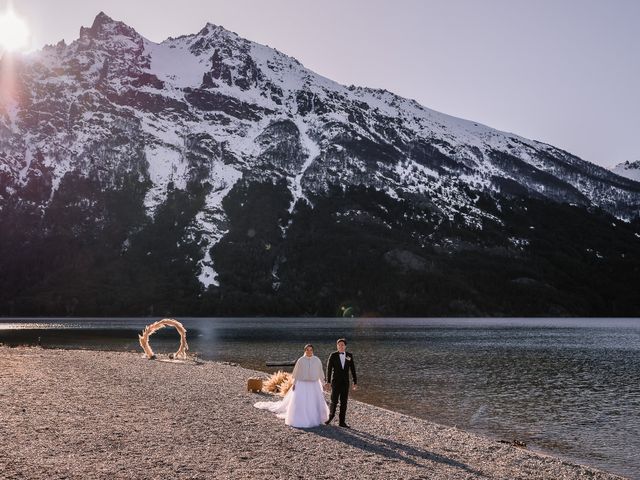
[304, 405]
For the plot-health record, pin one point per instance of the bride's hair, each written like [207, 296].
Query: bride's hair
[308, 345]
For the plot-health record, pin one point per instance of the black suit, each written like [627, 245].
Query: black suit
[339, 379]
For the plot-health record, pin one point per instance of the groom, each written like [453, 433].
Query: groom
[339, 365]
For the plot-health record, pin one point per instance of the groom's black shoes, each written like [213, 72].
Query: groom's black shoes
[341, 424]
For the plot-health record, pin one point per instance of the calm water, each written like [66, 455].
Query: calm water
[566, 386]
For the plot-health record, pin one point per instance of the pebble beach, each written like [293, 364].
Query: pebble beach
[84, 414]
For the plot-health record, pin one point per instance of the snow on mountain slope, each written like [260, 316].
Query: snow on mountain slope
[213, 108]
[628, 169]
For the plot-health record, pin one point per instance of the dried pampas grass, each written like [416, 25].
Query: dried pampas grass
[154, 327]
[286, 386]
[279, 383]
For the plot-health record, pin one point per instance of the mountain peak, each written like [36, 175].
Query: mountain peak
[213, 29]
[105, 26]
[208, 27]
[252, 167]
[628, 169]
[101, 19]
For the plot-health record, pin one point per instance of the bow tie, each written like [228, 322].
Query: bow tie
[342, 353]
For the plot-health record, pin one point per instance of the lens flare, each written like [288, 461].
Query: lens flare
[14, 33]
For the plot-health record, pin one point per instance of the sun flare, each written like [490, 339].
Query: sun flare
[14, 33]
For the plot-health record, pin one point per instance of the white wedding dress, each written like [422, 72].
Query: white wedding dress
[304, 406]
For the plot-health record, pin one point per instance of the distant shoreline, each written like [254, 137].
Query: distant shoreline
[6, 318]
[101, 414]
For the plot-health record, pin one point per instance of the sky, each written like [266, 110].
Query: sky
[565, 72]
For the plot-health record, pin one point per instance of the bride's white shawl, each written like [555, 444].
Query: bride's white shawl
[308, 369]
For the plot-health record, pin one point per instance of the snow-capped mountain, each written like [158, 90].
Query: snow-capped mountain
[628, 169]
[115, 129]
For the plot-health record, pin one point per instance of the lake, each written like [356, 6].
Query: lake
[569, 387]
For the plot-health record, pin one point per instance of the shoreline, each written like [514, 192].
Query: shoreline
[103, 414]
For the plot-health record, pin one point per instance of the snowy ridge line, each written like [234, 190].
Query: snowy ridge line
[113, 82]
[630, 170]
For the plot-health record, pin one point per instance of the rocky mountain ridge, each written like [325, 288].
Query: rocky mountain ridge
[114, 136]
[628, 169]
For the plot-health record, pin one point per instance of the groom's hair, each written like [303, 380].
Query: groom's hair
[341, 340]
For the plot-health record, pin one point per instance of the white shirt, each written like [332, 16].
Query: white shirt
[343, 356]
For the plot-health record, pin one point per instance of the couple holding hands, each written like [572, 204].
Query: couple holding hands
[304, 405]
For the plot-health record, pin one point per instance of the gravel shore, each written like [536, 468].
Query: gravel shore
[87, 414]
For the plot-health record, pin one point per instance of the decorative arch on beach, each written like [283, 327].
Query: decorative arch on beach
[160, 324]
